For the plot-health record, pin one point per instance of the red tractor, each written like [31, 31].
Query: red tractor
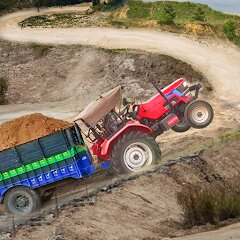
[127, 138]
[174, 107]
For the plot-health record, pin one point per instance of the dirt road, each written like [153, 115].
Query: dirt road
[230, 232]
[219, 61]
[145, 208]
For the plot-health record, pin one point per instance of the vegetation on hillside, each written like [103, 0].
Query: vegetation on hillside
[3, 89]
[216, 201]
[210, 204]
[180, 17]
[185, 12]
[230, 29]
[202, 17]
[6, 5]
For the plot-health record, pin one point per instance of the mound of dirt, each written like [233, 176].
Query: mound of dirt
[28, 128]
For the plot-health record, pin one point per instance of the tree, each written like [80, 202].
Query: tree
[38, 4]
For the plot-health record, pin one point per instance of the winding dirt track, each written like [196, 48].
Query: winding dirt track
[220, 62]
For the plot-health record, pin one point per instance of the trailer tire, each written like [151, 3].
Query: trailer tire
[134, 151]
[22, 200]
[199, 114]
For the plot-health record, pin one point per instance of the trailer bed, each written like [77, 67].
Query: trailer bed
[45, 160]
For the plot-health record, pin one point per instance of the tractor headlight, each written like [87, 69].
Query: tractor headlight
[185, 84]
[182, 87]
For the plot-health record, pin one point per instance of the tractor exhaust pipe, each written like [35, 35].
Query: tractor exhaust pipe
[160, 92]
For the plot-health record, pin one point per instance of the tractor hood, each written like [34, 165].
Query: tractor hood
[99, 108]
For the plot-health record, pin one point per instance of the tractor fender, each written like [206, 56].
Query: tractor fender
[130, 126]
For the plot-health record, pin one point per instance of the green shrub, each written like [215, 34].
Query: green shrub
[199, 15]
[229, 29]
[210, 204]
[139, 10]
[3, 5]
[10, 4]
[3, 89]
[96, 2]
[168, 15]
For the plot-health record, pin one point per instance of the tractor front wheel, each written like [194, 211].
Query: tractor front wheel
[199, 114]
[133, 152]
[182, 126]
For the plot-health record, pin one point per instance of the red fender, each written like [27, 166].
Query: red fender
[130, 126]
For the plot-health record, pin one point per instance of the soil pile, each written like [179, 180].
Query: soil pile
[28, 128]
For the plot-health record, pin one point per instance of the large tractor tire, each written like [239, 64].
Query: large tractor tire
[22, 200]
[199, 114]
[133, 152]
[182, 126]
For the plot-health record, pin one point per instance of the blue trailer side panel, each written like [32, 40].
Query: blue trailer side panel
[46, 160]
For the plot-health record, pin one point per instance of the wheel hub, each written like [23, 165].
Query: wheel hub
[137, 155]
[200, 114]
[21, 203]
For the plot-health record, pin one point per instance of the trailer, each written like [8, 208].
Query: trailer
[26, 169]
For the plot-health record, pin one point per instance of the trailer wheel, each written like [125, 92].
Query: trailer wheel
[199, 114]
[133, 152]
[22, 200]
[182, 126]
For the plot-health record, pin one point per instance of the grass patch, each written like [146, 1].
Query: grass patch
[121, 23]
[34, 21]
[210, 204]
[3, 89]
[75, 19]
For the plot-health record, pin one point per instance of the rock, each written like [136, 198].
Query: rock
[5, 236]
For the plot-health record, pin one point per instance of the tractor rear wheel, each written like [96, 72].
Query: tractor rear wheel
[199, 114]
[133, 152]
[22, 200]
